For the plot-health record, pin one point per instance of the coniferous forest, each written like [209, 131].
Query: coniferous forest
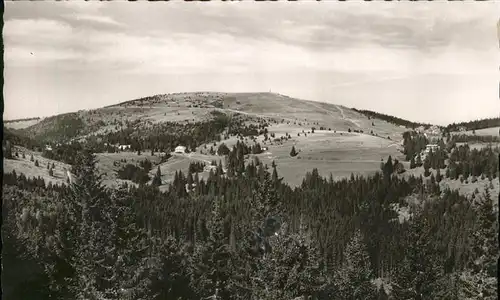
[244, 234]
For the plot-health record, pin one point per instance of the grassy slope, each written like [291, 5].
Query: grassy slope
[339, 153]
[485, 131]
[21, 124]
[29, 169]
[328, 151]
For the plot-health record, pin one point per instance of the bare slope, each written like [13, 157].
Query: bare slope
[20, 124]
[197, 106]
[331, 148]
[28, 168]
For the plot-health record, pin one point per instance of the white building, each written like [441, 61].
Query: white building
[180, 149]
[123, 147]
[432, 147]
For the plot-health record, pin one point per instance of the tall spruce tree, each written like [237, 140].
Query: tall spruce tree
[157, 178]
[412, 163]
[354, 277]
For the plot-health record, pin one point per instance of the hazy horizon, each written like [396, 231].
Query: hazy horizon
[428, 62]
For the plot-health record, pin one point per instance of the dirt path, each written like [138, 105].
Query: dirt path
[345, 118]
[258, 115]
[341, 112]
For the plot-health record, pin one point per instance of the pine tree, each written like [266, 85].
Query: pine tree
[417, 275]
[412, 163]
[382, 295]
[427, 166]
[32, 159]
[295, 261]
[438, 175]
[211, 267]
[51, 172]
[354, 278]
[36, 163]
[131, 260]
[388, 167]
[293, 152]
[419, 160]
[486, 250]
[157, 178]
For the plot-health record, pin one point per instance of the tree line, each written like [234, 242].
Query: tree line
[474, 125]
[391, 119]
[244, 234]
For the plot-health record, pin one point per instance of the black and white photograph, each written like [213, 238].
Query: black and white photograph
[250, 150]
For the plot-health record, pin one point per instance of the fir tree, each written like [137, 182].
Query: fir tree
[412, 163]
[419, 160]
[157, 178]
[211, 265]
[388, 167]
[427, 167]
[486, 250]
[438, 175]
[420, 268]
[354, 277]
[293, 152]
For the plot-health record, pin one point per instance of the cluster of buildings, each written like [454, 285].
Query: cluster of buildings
[428, 149]
[433, 133]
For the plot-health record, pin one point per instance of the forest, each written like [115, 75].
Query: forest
[390, 119]
[474, 125]
[245, 234]
[466, 138]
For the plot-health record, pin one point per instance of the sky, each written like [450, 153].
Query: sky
[435, 62]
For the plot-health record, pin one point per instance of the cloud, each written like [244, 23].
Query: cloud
[97, 19]
[257, 38]
[17, 29]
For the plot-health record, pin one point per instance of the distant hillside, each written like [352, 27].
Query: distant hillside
[474, 125]
[392, 119]
[21, 123]
[21, 120]
[58, 128]
[143, 113]
[17, 137]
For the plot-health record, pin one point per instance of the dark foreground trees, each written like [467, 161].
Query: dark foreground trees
[246, 236]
